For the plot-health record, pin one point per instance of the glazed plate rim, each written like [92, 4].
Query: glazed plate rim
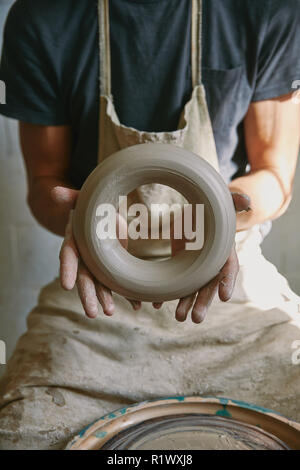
[95, 435]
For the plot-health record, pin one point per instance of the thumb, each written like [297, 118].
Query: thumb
[241, 202]
[121, 228]
[64, 196]
[177, 244]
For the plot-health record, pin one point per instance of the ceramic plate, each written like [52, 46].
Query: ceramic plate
[190, 423]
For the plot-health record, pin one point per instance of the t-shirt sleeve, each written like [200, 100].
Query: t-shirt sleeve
[26, 68]
[278, 64]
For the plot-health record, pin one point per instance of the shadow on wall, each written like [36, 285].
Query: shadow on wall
[282, 245]
[29, 254]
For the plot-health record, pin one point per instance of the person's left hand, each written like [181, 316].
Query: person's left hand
[223, 283]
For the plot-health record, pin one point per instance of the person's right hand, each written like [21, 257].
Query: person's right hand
[72, 268]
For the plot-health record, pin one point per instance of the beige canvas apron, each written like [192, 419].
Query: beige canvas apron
[68, 370]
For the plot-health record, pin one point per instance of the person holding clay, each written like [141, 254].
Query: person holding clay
[86, 79]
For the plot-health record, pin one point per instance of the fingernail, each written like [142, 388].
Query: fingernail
[244, 195]
[136, 305]
[92, 313]
[156, 304]
[198, 317]
[228, 293]
[109, 309]
[66, 282]
[244, 210]
[180, 315]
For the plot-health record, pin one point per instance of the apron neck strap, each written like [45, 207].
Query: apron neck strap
[104, 48]
[196, 42]
[104, 45]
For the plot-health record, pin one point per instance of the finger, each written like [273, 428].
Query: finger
[105, 298]
[204, 299]
[228, 276]
[157, 305]
[64, 196]
[136, 304]
[241, 202]
[184, 306]
[68, 256]
[87, 291]
[122, 231]
[177, 244]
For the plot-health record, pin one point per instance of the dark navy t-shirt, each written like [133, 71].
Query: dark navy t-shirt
[50, 64]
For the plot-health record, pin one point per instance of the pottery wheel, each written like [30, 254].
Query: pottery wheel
[190, 432]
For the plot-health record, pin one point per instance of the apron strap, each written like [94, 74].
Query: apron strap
[104, 45]
[196, 42]
[104, 48]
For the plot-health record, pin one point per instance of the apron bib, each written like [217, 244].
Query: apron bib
[194, 129]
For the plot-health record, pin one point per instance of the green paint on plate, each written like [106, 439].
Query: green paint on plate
[224, 413]
[180, 398]
[100, 434]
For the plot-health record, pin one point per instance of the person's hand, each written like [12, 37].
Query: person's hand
[91, 291]
[224, 282]
[72, 268]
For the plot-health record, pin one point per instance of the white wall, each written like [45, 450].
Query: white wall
[282, 245]
[29, 255]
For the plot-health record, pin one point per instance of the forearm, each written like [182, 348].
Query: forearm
[46, 211]
[272, 138]
[270, 195]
